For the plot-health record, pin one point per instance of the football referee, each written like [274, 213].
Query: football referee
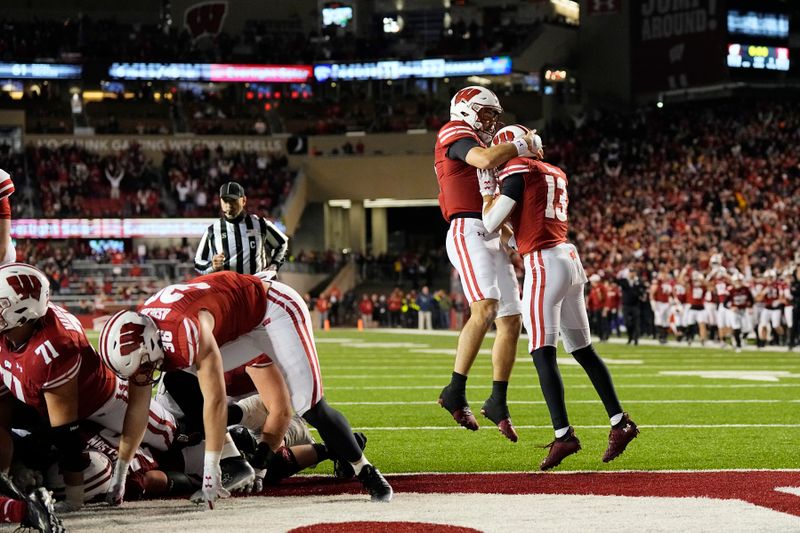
[239, 241]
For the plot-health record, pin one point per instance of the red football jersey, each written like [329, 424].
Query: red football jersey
[680, 293]
[696, 294]
[458, 181]
[772, 294]
[721, 288]
[596, 299]
[236, 301]
[540, 219]
[613, 297]
[664, 290]
[739, 297]
[57, 352]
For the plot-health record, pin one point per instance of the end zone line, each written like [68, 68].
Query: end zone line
[584, 386]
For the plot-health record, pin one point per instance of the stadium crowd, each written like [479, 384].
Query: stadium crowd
[74, 182]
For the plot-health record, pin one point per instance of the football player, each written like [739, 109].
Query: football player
[487, 275]
[739, 300]
[534, 196]
[47, 362]
[772, 297]
[213, 324]
[694, 317]
[661, 301]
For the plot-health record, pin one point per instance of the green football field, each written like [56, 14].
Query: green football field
[697, 408]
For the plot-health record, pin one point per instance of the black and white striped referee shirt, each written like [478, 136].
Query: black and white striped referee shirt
[250, 243]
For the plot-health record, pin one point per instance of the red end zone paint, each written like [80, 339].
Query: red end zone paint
[756, 487]
[382, 527]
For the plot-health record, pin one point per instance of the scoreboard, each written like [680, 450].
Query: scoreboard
[758, 57]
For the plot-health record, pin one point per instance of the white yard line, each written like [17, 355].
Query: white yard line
[541, 402]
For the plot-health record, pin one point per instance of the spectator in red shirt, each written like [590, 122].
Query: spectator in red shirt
[365, 306]
[595, 304]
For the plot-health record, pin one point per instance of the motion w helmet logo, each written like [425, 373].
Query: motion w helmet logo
[25, 286]
[205, 19]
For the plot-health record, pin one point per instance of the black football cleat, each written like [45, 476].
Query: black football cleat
[377, 486]
[236, 473]
[498, 413]
[456, 404]
[620, 436]
[40, 514]
[560, 449]
[343, 469]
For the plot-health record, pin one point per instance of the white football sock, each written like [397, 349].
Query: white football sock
[561, 432]
[361, 463]
[616, 419]
[229, 449]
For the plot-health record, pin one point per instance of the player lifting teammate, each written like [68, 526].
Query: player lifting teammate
[534, 196]
[487, 275]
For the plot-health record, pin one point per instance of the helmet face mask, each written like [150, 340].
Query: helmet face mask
[145, 375]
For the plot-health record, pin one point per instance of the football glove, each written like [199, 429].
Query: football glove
[211, 490]
[116, 492]
[487, 182]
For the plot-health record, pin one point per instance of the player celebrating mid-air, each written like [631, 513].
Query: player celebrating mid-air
[211, 325]
[487, 275]
[534, 195]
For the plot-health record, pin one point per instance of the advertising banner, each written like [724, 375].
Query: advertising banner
[677, 45]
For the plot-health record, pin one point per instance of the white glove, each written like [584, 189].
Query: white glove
[116, 492]
[487, 182]
[211, 490]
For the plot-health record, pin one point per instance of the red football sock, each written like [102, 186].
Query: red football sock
[12, 511]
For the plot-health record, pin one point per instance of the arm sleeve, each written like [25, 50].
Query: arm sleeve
[512, 186]
[202, 259]
[460, 148]
[499, 211]
[5, 208]
[276, 240]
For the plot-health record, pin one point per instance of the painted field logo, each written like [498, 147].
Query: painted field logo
[205, 19]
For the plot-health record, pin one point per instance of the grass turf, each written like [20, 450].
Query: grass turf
[384, 384]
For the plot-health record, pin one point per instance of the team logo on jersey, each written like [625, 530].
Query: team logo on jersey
[25, 286]
[131, 337]
[205, 19]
